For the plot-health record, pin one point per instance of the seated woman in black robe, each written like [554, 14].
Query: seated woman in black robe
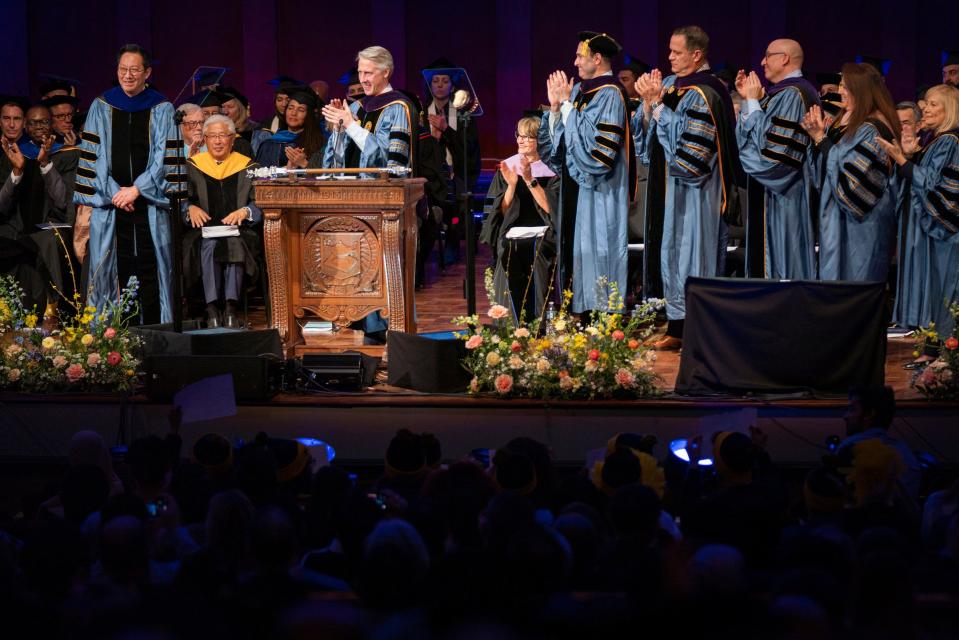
[521, 198]
[222, 244]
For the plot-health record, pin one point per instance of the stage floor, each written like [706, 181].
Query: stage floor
[360, 425]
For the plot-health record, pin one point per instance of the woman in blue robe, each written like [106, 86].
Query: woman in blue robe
[857, 185]
[929, 229]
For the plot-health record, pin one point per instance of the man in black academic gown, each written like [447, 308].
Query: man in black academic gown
[443, 79]
[37, 176]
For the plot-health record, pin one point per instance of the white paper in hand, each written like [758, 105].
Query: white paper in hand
[207, 399]
[525, 233]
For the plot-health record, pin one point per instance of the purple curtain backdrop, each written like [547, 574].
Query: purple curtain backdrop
[508, 46]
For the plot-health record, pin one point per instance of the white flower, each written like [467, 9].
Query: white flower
[521, 332]
[515, 362]
[591, 330]
[591, 366]
[542, 365]
[495, 339]
[13, 375]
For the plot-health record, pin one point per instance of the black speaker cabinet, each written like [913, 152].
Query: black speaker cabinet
[340, 371]
[422, 364]
[166, 375]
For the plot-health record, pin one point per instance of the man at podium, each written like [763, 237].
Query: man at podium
[375, 131]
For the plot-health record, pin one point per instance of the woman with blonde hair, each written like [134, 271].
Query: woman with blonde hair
[858, 186]
[523, 195]
[929, 227]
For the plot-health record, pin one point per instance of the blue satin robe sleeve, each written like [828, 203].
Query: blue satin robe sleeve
[688, 137]
[95, 187]
[772, 143]
[549, 144]
[640, 131]
[594, 137]
[153, 183]
[389, 143]
[936, 185]
[864, 173]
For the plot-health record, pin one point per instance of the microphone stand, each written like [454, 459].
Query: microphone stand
[175, 226]
[467, 196]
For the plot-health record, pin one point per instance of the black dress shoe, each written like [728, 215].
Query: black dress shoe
[212, 318]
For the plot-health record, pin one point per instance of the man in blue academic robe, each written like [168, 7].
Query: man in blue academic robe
[773, 147]
[685, 133]
[129, 146]
[375, 131]
[587, 136]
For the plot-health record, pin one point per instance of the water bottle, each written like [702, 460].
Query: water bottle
[550, 316]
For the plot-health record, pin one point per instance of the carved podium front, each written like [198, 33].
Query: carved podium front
[339, 250]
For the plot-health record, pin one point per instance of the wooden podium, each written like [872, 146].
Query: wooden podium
[338, 250]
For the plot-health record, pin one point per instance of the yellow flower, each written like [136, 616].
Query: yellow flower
[493, 358]
[560, 325]
[129, 373]
[90, 309]
[86, 340]
[48, 342]
[31, 321]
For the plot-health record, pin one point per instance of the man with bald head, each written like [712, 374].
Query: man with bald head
[773, 148]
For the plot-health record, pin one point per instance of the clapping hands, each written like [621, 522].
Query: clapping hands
[814, 124]
[752, 87]
[295, 157]
[650, 86]
[559, 87]
[337, 114]
[509, 175]
[15, 156]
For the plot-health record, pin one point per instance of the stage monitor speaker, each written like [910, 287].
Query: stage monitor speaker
[166, 375]
[423, 364]
[767, 337]
[339, 371]
[238, 343]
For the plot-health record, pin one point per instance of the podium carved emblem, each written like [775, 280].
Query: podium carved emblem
[342, 257]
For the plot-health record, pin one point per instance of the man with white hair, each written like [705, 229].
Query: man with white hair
[375, 131]
[773, 148]
[220, 195]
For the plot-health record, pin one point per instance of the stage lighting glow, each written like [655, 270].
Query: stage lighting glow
[678, 449]
[321, 452]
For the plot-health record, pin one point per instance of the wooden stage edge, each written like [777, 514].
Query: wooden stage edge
[359, 425]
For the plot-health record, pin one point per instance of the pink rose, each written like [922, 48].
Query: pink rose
[594, 354]
[618, 335]
[497, 311]
[515, 347]
[474, 341]
[93, 359]
[75, 372]
[625, 378]
[503, 383]
[633, 344]
[114, 358]
[110, 333]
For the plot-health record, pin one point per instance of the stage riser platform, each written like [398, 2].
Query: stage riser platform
[32, 429]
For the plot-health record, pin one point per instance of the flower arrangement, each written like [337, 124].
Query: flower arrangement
[939, 380]
[90, 352]
[557, 357]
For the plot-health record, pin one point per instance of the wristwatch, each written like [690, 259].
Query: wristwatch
[532, 184]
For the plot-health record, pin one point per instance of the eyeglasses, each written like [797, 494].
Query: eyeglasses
[193, 124]
[133, 71]
[769, 54]
[523, 136]
[64, 117]
[218, 136]
[38, 123]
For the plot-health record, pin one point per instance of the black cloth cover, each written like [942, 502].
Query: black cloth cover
[757, 336]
